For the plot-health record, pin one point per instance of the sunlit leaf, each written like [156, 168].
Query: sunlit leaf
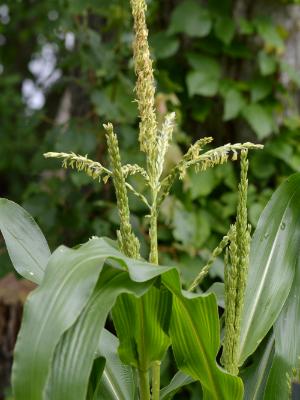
[273, 259]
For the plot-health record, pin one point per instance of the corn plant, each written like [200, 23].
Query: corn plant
[63, 350]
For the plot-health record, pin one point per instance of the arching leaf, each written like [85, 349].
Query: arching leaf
[287, 344]
[273, 257]
[25, 242]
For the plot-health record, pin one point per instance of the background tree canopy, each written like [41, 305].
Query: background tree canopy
[228, 69]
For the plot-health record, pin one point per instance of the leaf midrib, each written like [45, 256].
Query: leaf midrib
[263, 280]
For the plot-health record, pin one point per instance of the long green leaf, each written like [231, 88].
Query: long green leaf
[255, 377]
[67, 315]
[287, 343]
[25, 242]
[274, 254]
[49, 311]
[196, 340]
[142, 326]
[69, 281]
[75, 353]
[117, 381]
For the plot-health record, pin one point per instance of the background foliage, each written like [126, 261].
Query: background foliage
[66, 67]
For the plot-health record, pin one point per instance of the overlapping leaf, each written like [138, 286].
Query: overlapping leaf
[64, 318]
[255, 377]
[273, 257]
[69, 281]
[117, 381]
[142, 326]
[74, 356]
[195, 340]
[287, 344]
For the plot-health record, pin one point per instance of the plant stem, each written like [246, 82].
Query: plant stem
[155, 380]
[153, 257]
[144, 385]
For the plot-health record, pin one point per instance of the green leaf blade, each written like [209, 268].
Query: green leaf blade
[75, 353]
[287, 344]
[273, 257]
[117, 381]
[195, 340]
[50, 310]
[25, 242]
[255, 377]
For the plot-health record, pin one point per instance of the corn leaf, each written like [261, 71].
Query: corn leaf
[273, 257]
[196, 341]
[117, 381]
[255, 377]
[65, 316]
[287, 344]
[70, 278]
[74, 356]
[142, 326]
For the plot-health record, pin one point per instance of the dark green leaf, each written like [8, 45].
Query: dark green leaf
[246, 27]
[97, 372]
[224, 29]
[191, 18]
[164, 46]
[259, 119]
[260, 88]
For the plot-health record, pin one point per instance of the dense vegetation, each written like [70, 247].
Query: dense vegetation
[215, 68]
[224, 73]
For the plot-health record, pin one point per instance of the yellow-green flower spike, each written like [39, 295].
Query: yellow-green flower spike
[128, 242]
[145, 88]
[236, 274]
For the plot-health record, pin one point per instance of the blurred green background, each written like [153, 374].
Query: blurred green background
[229, 69]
